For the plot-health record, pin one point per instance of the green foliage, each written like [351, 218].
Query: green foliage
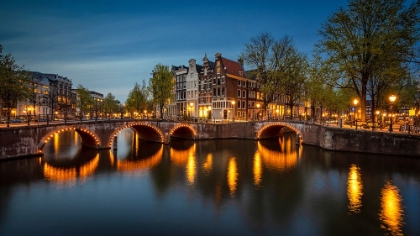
[161, 86]
[13, 82]
[110, 104]
[278, 67]
[137, 98]
[369, 45]
[84, 100]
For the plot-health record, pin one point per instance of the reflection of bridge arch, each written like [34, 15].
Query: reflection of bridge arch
[183, 131]
[141, 164]
[89, 138]
[275, 130]
[70, 173]
[146, 131]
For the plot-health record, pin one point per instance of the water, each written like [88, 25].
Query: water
[240, 187]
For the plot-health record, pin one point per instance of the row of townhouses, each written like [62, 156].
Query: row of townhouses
[53, 95]
[220, 90]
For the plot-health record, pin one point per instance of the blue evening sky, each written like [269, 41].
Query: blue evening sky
[107, 46]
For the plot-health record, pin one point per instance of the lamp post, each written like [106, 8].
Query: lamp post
[191, 110]
[355, 102]
[258, 111]
[392, 99]
[233, 110]
[376, 120]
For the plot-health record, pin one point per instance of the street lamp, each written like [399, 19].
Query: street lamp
[191, 109]
[233, 109]
[258, 107]
[392, 99]
[355, 102]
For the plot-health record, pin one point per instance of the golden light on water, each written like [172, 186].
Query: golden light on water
[354, 189]
[90, 167]
[208, 164]
[191, 168]
[232, 176]
[70, 174]
[392, 214]
[142, 164]
[186, 158]
[257, 168]
[276, 159]
[180, 157]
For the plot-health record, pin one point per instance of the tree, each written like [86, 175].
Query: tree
[14, 82]
[370, 42]
[84, 100]
[278, 66]
[110, 104]
[34, 98]
[161, 85]
[137, 98]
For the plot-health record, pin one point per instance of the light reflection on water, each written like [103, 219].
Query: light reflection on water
[354, 189]
[220, 186]
[392, 214]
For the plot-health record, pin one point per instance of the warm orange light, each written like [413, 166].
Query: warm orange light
[354, 189]
[392, 98]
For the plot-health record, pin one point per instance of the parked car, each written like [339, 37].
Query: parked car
[16, 121]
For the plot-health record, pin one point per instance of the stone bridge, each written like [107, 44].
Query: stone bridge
[29, 140]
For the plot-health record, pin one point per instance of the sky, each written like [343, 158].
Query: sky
[108, 46]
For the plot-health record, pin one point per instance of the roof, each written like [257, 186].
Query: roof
[233, 67]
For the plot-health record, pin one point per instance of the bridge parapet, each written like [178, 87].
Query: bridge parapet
[29, 140]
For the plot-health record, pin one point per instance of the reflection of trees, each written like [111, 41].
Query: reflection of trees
[391, 214]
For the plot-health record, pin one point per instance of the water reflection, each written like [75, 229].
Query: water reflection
[257, 169]
[65, 159]
[354, 189]
[183, 153]
[241, 186]
[232, 175]
[279, 155]
[63, 146]
[208, 164]
[134, 154]
[69, 173]
[391, 214]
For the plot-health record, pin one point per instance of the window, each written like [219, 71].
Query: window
[243, 104]
[243, 93]
[238, 105]
[239, 83]
[223, 91]
[239, 93]
[243, 84]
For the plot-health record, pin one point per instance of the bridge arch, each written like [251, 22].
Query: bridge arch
[183, 131]
[276, 129]
[147, 132]
[89, 138]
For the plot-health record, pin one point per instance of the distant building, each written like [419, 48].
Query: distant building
[180, 74]
[53, 96]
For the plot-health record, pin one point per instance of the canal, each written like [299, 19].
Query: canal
[241, 187]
